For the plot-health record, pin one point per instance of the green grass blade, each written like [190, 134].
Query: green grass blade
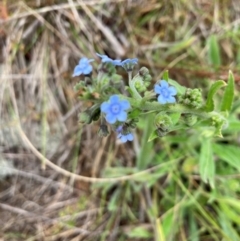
[207, 165]
[229, 154]
[213, 51]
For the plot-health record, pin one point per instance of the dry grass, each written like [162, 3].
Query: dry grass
[41, 41]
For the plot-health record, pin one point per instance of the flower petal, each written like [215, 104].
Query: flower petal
[105, 107]
[106, 59]
[172, 90]
[122, 116]
[110, 118]
[130, 137]
[77, 71]
[83, 60]
[157, 89]
[123, 138]
[164, 83]
[161, 99]
[119, 129]
[171, 99]
[116, 62]
[87, 70]
[114, 99]
[125, 105]
[101, 55]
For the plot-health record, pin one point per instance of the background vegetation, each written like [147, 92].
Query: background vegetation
[163, 199]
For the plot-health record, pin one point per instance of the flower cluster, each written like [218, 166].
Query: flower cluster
[115, 108]
[192, 97]
[119, 106]
[84, 67]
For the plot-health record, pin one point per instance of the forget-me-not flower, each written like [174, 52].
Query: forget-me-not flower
[124, 137]
[83, 67]
[166, 92]
[115, 109]
[106, 59]
[128, 64]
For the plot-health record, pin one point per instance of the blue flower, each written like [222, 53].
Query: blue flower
[123, 137]
[106, 59]
[128, 64]
[83, 67]
[165, 92]
[115, 109]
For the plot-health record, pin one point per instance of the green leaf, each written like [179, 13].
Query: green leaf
[168, 223]
[139, 232]
[113, 204]
[165, 75]
[213, 51]
[193, 228]
[207, 165]
[229, 154]
[180, 89]
[228, 96]
[146, 154]
[230, 212]
[153, 136]
[227, 227]
[134, 114]
[233, 126]
[209, 106]
[175, 117]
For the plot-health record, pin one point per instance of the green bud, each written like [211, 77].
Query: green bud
[163, 123]
[139, 84]
[79, 85]
[85, 117]
[103, 131]
[147, 78]
[147, 84]
[143, 71]
[192, 97]
[219, 124]
[161, 133]
[189, 119]
[95, 114]
[187, 101]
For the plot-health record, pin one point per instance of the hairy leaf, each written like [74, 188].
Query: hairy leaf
[209, 106]
[228, 94]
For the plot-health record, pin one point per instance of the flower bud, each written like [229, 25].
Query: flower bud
[163, 123]
[192, 97]
[147, 78]
[103, 131]
[143, 71]
[85, 117]
[189, 119]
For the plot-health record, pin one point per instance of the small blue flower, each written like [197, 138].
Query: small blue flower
[106, 59]
[115, 109]
[165, 92]
[128, 64]
[83, 67]
[125, 138]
